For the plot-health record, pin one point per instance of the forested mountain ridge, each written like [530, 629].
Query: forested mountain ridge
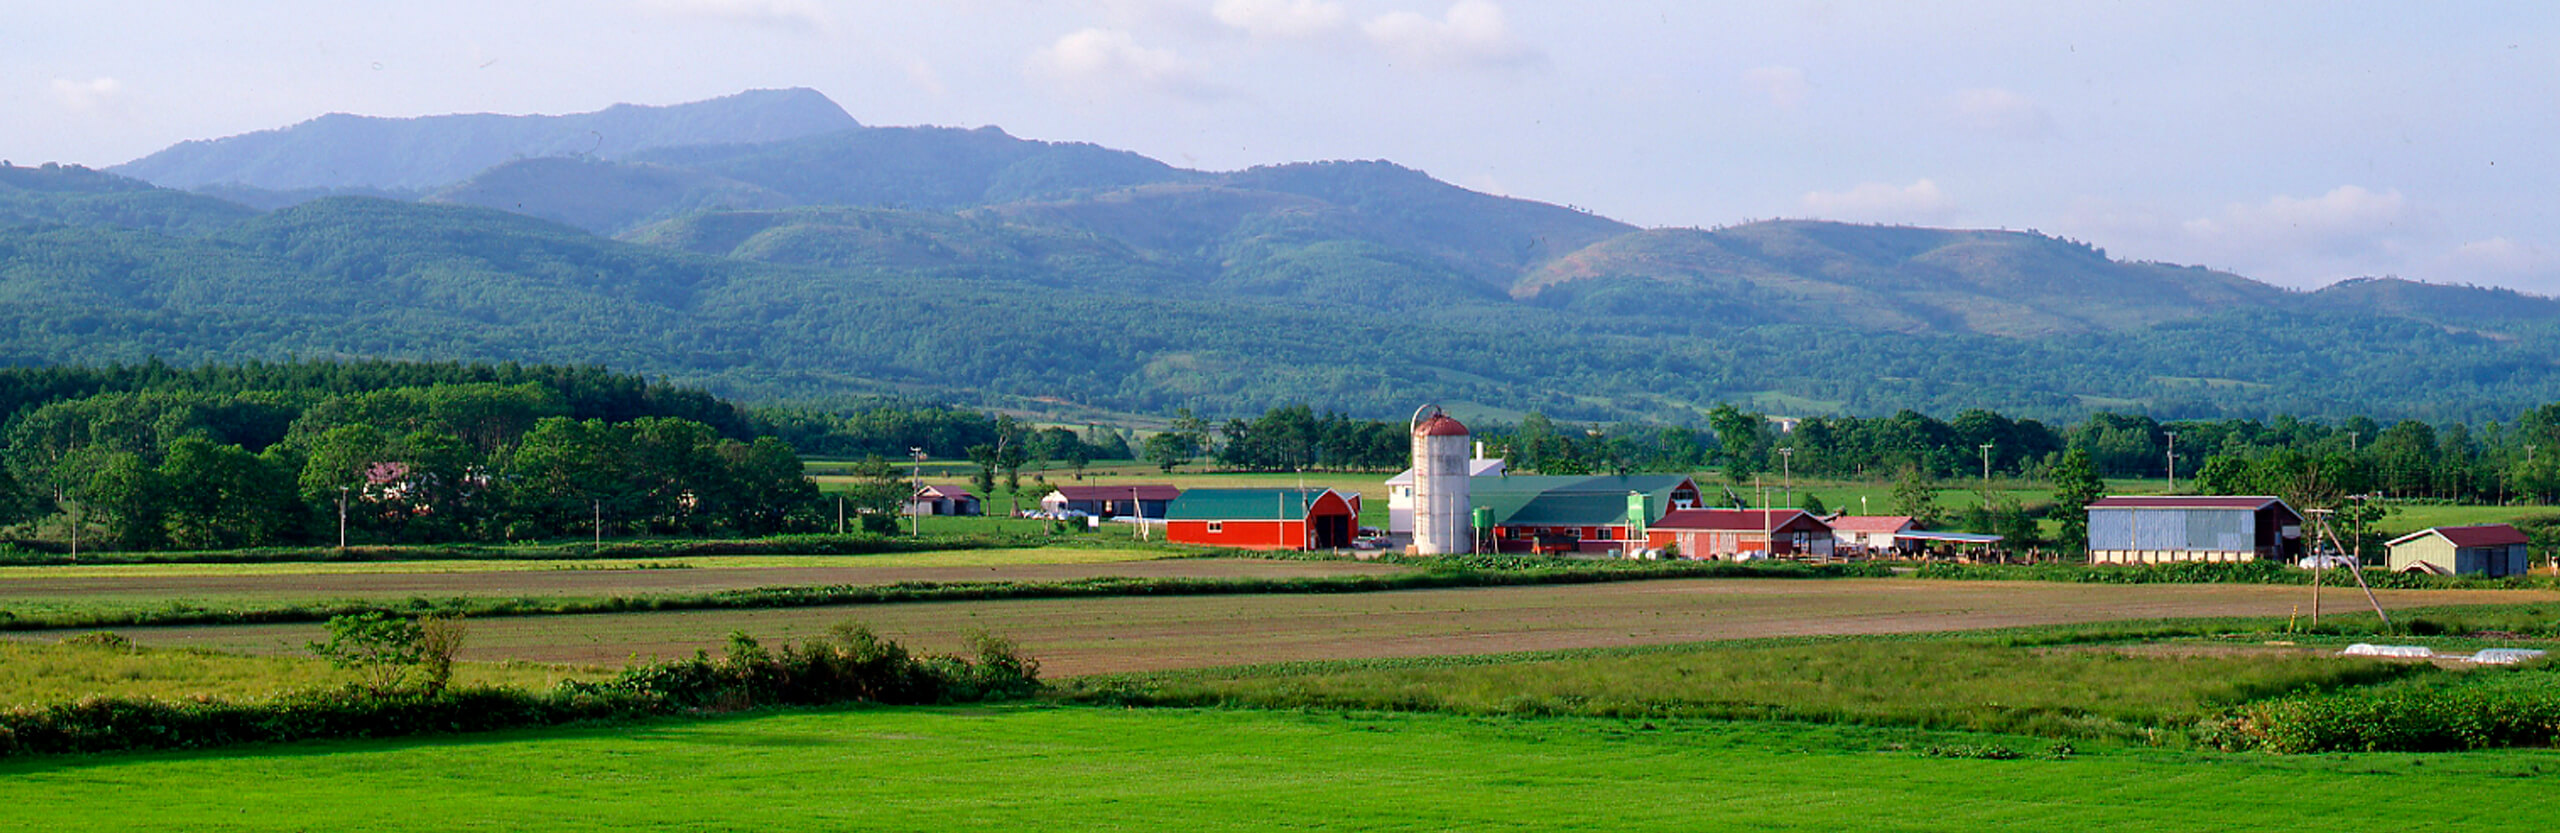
[340, 150]
[1885, 278]
[991, 269]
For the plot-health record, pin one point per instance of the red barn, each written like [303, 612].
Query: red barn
[1263, 519]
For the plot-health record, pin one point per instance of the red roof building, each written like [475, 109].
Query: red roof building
[1726, 533]
[1146, 500]
[1870, 533]
[2485, 550]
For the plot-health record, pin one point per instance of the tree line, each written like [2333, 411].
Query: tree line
[479, 461]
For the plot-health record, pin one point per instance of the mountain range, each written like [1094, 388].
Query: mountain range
[767, 245]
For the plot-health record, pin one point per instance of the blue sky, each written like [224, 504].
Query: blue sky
[2298, 143]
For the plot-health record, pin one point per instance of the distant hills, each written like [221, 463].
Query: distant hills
[766, 245]
[341, 151]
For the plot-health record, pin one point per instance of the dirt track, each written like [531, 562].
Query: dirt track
[1085, 636]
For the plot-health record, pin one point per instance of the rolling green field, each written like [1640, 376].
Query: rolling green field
[1017, 768]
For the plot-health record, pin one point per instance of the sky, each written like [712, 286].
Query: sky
[2296, 143]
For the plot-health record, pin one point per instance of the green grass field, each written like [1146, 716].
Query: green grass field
[1018, 768]
[39, 673]
[2129, 691]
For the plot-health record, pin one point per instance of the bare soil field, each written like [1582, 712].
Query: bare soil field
[618, 580]
[1086, 636]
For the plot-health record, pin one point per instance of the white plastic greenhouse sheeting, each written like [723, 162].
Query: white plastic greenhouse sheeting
[2365, 649]
[2505, 656]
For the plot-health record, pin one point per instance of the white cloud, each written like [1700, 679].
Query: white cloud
[2348, 219]
[1785, 86]
[1281, 18]
[1994, 110]
[925, 78]
[779, 14]
[1093, 58]
[1471, 33]
[86, 95]
[2498, 260]
[1919, 202]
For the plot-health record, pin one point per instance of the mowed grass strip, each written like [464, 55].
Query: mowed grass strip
[1023, 768]
[37, 673]
[2102, 692]
[1076, 636]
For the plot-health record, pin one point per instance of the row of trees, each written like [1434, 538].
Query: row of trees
[195, 470]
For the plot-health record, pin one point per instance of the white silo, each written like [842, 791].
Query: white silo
[1441, 525]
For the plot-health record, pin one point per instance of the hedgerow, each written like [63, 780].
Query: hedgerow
[2223, 572]
[2443, 712]
[854, 666]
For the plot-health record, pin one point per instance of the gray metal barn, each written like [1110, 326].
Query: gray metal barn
[2154, 530]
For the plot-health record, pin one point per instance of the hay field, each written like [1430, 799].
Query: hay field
[1125, 634]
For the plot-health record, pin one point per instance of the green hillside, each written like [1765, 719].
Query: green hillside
[1884, 278]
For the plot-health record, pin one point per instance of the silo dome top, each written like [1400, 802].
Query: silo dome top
[1440, 425]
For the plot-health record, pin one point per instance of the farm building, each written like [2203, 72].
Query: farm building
[1869, 533]
[2489, 550]
[1565, 513]
[943, 500]
[1142, 501]
[1263, 519]
[2152, 530]
[1725, 533]
[1400, 490]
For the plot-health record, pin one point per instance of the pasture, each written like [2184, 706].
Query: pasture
[1121, 634]
[1029, 767]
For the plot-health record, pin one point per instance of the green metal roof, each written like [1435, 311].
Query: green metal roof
[1243, 504]
[1570, 500]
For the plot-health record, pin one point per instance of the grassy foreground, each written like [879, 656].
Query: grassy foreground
[1015, 768]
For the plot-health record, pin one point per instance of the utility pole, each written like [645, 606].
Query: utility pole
[342, 517]
[915, 482]
[1787, 468]
[839, 514]
[1986, 483]
[2173, 462]
[599, 502]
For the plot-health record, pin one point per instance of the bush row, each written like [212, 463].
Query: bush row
[2443, 717]
[2201, 572]
[852, 544]
[853, 666]
[1548, 572]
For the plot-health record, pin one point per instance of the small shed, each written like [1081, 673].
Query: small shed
[943, 500]
[1137, 500]
[2484, 550]
[1263, 519]
[2160, 529]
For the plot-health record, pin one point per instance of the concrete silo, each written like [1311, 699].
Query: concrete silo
[1441, 525]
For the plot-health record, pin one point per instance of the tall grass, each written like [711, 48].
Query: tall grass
[1944, 683]
[34, 674]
